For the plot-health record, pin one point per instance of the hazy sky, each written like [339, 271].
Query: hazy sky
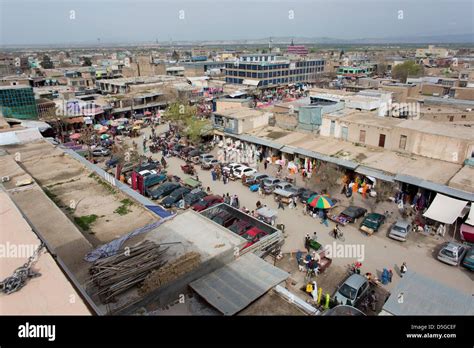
[48, 21]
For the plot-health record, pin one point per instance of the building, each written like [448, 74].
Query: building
[18, 102]
[239, 120]
[432, 51]
[266, 70]
[299, 50]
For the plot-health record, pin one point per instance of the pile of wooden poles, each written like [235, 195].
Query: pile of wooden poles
[116, 274]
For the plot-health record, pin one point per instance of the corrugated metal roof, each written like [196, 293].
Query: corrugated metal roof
[288, 149]
[419, 295]
[321, 157]
[233, 287]
[260, 141]
[377, 174]
[435, 187]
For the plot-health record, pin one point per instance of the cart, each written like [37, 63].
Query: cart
[267, 215]
[188, 169]
[191, 183]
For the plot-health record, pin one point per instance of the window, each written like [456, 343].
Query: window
[382, 140]
[345, 132]
[403, 142]
[362, 136]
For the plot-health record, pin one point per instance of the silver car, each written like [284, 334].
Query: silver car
[352, 290]
[452, 253]
[400, 230]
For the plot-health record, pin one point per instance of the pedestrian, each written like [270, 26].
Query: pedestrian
[403, 269]
[236, 202]
[265, 164]
[213, 175]
[315, 237]
[227, 199]
[307, 241]
[260, 191]
[314, 293]
[390, 275]
[208, 190]
[373, 300]
[280, 204]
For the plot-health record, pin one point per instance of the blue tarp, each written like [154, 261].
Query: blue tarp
[161, 212]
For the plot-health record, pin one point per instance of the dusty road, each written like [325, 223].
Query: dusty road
[378, 251]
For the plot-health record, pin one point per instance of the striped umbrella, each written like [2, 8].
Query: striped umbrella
[321, 202]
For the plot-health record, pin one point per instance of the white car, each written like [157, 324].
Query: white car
[244, 170]
[205, 157]
[143, 173]
[452, 253]
[234, 166]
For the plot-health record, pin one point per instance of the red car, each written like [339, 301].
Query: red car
[207, 202]
[253, 236]
[240, 227]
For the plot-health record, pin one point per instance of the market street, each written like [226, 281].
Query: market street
[380, 252]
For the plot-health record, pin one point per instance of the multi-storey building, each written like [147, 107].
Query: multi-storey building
[266, 70]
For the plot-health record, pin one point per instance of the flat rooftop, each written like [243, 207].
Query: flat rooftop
[194, 232]
[240, 113]
[48, 294]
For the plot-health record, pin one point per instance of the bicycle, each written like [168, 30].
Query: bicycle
[337, 234]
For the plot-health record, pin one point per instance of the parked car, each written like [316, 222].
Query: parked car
[192, 197]
[209, 164]
[306, 194]
[253, 236]
[372, 223]
[224, 218]
[353, 213]
[207, 202]
[255, 178]
[100, 151]
[452, 253]
[144, 173]
[155, 179]
[148, 166]
[205, 157]
[232, 166]
[111, 163]
[400, 230]
[244, 170]
[270, 183]
[352, 290]
[240, 227]
[175, 196]
[468, 260]
[163, 190]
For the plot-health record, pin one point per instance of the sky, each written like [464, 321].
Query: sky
[25, 22]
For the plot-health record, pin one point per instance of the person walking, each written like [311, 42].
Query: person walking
[314, 293]
[403, 269]
[307, 242]
[265, 164]
[280, 204]
[227, 199]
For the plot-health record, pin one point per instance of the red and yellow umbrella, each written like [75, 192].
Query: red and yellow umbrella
[321, 202]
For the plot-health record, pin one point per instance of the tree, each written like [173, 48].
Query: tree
[87, 62]
[407, 69]
[46, 63]
[381, 69]
[195, 128]
[175, 56]
[179, 113]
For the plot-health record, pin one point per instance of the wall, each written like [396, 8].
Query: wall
[222, 105]
[429, 89]
[464, 93]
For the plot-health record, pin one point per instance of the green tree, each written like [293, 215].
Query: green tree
[46, 63]
[407, 69]
[175, 56]
[195, 128]
[87, 62]
[179, 113]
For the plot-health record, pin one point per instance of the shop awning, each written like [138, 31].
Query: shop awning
[74, 120]
[377, 174]
[445, 209]
[470, 218]
[435, 187]
[259, 141]
[288, 149]
[339, 161]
